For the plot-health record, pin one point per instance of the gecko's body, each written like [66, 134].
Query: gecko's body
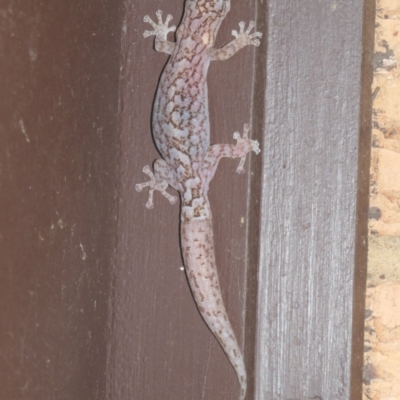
[181, 131]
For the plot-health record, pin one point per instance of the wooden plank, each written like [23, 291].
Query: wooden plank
[160, 347]
[314, 199]
[59, 148]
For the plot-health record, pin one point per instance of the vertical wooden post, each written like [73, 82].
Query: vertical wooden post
[314, 199]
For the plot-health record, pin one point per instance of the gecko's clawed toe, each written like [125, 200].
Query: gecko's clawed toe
[255, 146]
[150, 204]
[244, 146]
[240, 169]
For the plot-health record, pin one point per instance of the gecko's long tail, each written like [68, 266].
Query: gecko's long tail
[198, 253]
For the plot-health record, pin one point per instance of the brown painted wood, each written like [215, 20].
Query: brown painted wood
[314, 199]
[160, 346]
[59, 86]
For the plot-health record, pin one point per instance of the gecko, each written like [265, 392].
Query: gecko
[181, 131]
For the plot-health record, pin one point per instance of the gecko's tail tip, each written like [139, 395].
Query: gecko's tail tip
[243, 386]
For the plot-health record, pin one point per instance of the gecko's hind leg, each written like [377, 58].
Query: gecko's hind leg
[160, 180]
[215, 152]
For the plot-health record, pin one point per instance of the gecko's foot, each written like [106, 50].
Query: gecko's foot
[154, 185]
[161, 29]
[245, 36]
[246, 145]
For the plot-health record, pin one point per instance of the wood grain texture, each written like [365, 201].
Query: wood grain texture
[314, 200]
[59, 147]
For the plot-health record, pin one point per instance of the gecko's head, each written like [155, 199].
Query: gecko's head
[210, 6]
[205, 17]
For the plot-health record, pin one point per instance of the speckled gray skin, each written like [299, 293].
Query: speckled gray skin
[181, 130]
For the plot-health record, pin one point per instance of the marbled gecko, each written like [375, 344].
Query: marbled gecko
[181, 130]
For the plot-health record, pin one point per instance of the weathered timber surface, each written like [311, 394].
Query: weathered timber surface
[314, 199]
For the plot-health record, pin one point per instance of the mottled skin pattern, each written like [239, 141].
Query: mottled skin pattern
[181, 130]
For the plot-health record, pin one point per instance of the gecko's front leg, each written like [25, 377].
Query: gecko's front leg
[242, 38]
[160, 31]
